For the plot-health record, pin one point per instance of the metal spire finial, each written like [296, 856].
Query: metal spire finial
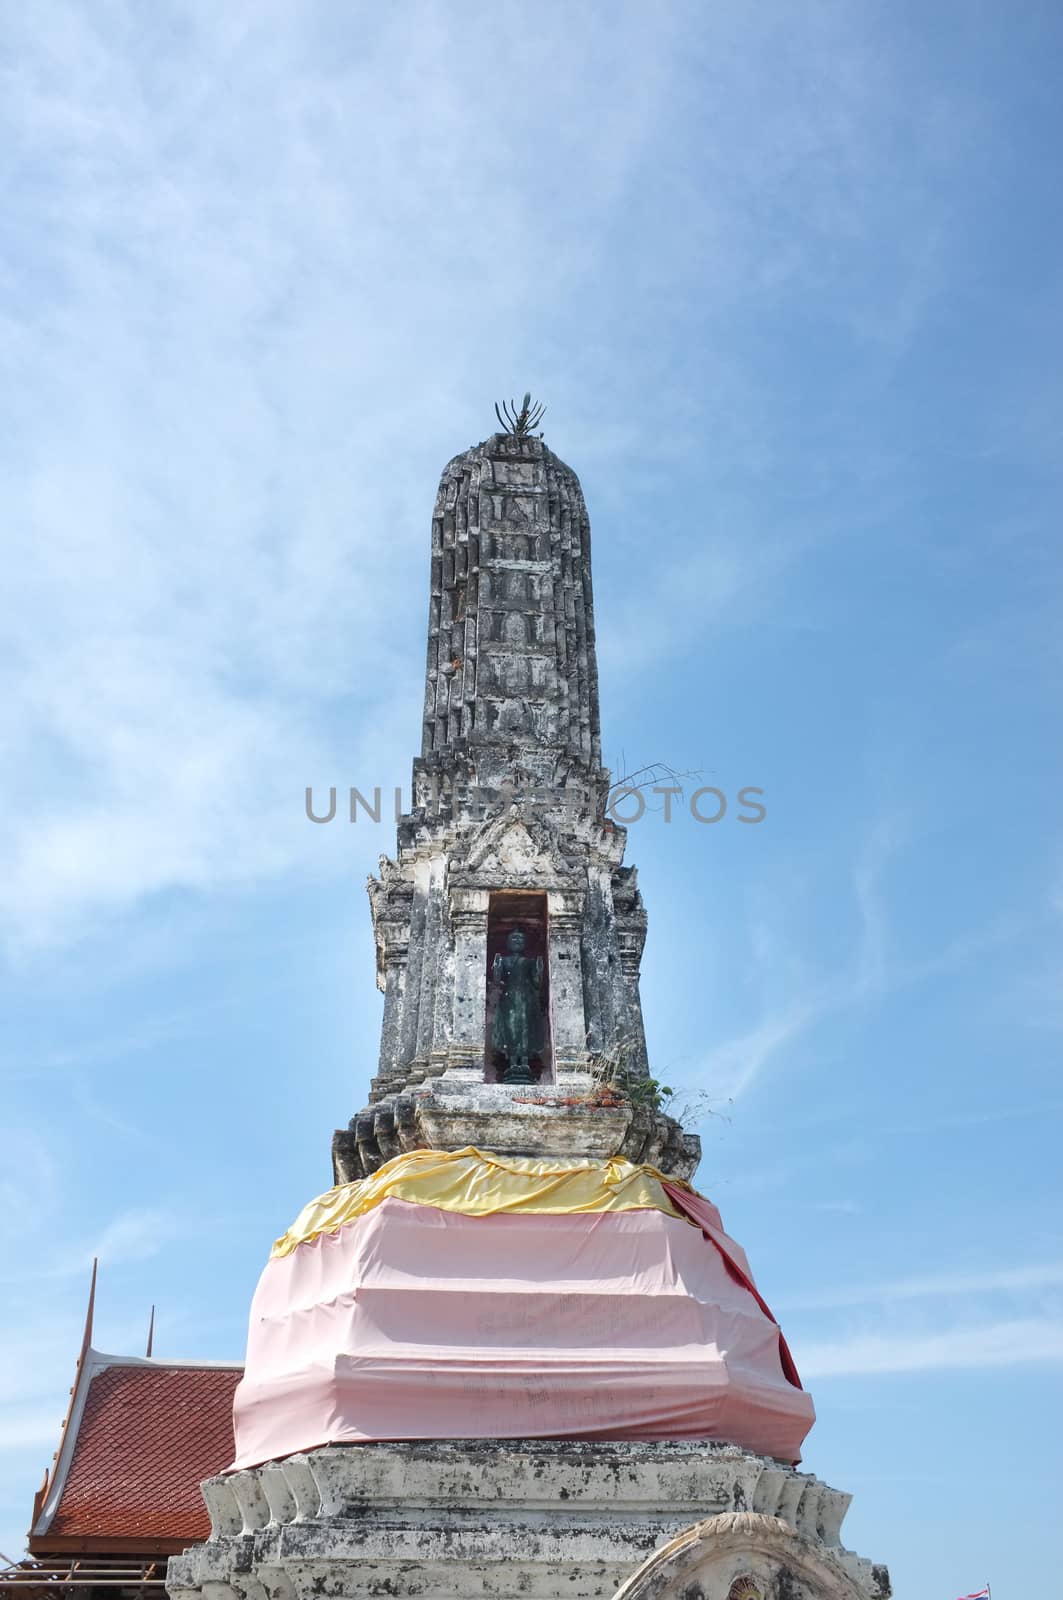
[520, 423]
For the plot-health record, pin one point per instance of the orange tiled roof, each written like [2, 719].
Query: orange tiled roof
[147, 1437]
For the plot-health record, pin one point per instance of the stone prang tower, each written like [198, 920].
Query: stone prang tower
[508, 832]
[512, 1352]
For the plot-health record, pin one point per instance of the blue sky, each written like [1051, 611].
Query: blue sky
[788, 278]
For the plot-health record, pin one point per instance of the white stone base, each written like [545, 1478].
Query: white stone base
[552, 1120]
[537, 1519]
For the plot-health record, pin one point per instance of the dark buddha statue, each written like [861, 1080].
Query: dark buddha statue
[517, 1032]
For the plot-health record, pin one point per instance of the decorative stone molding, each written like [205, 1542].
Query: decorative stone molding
[509, 1518]
[561, 1120]
[519, 1120]
[744, 1588]
[751, 1555]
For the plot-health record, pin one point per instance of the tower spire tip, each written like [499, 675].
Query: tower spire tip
[520, 422]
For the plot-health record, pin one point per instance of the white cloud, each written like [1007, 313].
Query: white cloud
[135, 1235]
[19, 1429]
[259, 257]
[27, 1187]
[732, 1066]
[247, 283]
[875, 969]
[930, 1285]
[999, 1344]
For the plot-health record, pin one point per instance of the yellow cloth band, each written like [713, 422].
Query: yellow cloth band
[478, 1183]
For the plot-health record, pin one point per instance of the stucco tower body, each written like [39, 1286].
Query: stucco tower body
[508, 827]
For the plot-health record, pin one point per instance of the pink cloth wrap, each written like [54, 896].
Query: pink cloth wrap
[416, 1323]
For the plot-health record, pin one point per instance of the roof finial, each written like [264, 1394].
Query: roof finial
[151, 1332]
[86, 1339]
[520, 423]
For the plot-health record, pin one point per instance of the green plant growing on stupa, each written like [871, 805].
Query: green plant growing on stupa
[612, 1072]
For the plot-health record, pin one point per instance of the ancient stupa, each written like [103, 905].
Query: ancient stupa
[513, 1351]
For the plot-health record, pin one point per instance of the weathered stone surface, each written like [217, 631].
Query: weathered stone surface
[508, 798]
[553, 1120]
[508, 1517]
[748, 1555]
[563, 1119]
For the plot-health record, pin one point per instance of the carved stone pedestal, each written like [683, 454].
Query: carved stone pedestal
[552, 1120]
[499, 1519]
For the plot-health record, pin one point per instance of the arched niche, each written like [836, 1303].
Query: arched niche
[746, 1555]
